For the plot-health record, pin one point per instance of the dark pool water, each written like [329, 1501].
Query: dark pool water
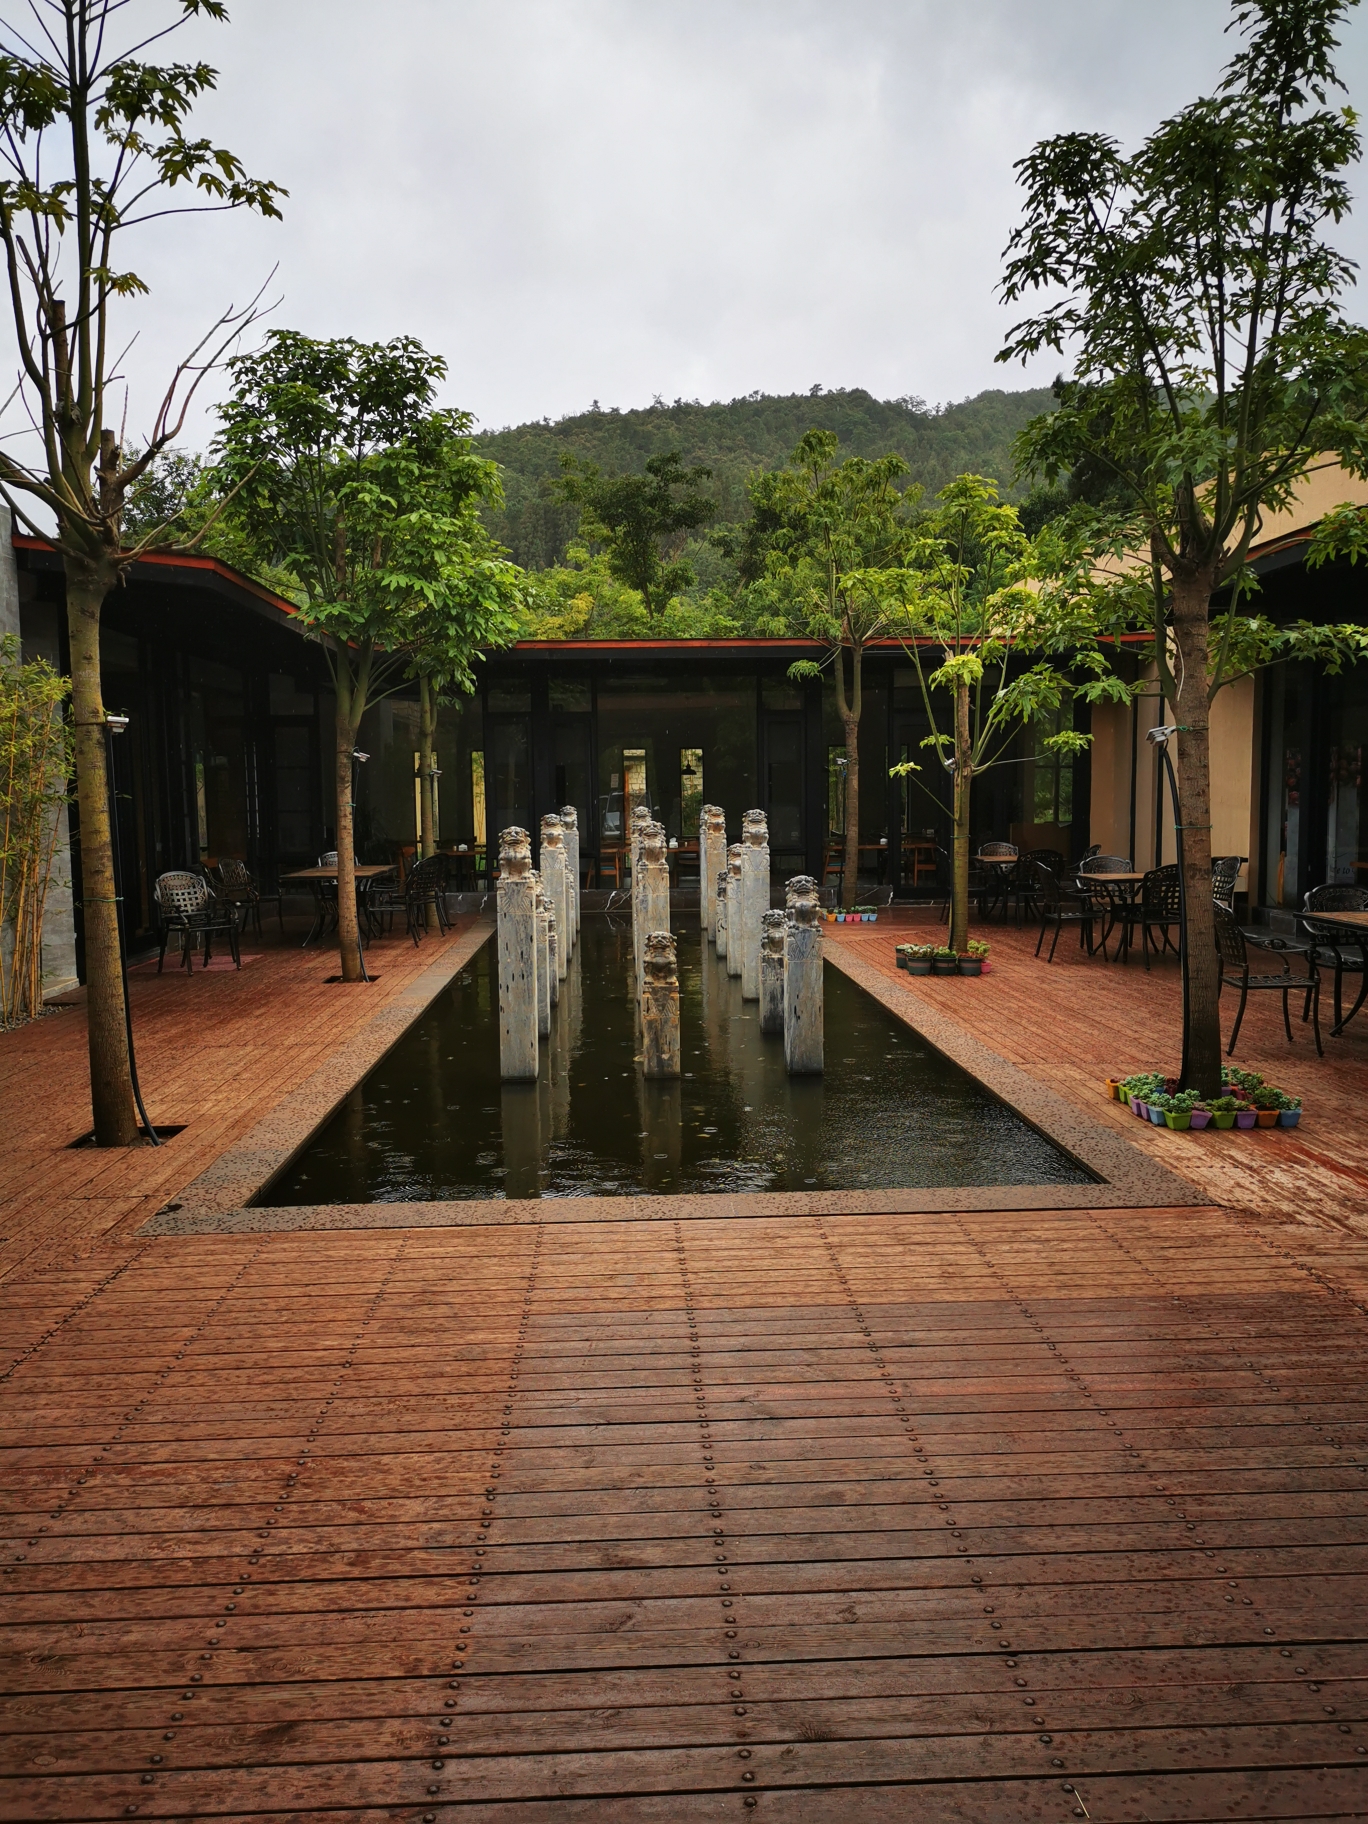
[432, 1120]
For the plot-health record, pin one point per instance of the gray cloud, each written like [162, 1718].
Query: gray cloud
[580, 199]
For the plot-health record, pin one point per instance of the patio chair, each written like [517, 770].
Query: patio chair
[185, 904]
[236, 887]
[1021, 882]
[424, 887]
[1332, 948]
[1095, 862]
[979, 884]
[1225, 871]
[1235, 969]
[1157, 908]
[1060, 907]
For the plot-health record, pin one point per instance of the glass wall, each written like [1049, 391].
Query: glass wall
[1286, 709]
[650, 728]
[1346, 833]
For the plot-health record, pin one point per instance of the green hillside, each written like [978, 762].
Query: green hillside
[732, 438]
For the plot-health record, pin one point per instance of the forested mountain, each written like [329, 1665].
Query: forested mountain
[733, 438]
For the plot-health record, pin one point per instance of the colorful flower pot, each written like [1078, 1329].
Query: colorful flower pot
[1139, 1107]
[1114, 1088]
[1180, 1119]
[1245, 1117]
[1223, 1117]
[1156, 1116]
[1201, 1117]
[1288, 1117]
[1267, 1117]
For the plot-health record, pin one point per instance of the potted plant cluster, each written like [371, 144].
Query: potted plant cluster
[939, 959]
[858, 915]
[1248, 1101]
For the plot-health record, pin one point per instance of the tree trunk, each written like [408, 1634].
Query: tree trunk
[427, 818]
[111, 1083]
[348, 933]
[959, 843]
[1201, 1061]
[850, 876]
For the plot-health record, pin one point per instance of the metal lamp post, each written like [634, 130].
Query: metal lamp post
[1159, 739]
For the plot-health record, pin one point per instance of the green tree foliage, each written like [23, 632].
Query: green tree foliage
[343, 474]
[97, 142]
[733, 439]
[822, 538]
[1194, 287]
[994, 624]
[640, 520]
[35, 768]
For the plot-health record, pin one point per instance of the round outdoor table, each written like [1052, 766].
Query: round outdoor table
[1353, 929]
[1122, 886]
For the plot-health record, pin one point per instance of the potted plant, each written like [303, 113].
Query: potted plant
[1267, 1105]
[971, 963]
[917, 960]
[1201, 1114]
[945, 961]
[1157, 1104]
[1245, 1113]
[1289, 1111]
[1178, 1113]
[867, 915]
[1116, 1088]
[1223, 1111]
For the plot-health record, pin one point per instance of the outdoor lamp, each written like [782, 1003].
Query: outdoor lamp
[116, 724]
[1159, 739]
[359, 756]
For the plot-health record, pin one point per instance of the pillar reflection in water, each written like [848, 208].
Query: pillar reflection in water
[521, 1120]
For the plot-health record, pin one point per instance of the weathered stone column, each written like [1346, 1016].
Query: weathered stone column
[570, 825]
[553, 954]
[517, 903]
[653, 905]
[712, 860]
[555, 882]
[803, 980]
[773, 928]
[755, 898]
[545, 975]
[660, 1007]
[640, 818]
[735, 929]
[719, 900]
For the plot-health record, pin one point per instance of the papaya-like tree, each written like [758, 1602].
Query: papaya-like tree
[94, 143]
[1194, 286]
[822, 538]
[351, 482]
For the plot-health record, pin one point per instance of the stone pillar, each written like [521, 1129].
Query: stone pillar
[517, 903]
[555, 882]
[755, 898]
[640, 818]
[660, 1007]
[719, 899]
[773, 930]
[712, 860]
[570, 825]
[653, 902]
[544, 973]
[803, 980]
[735, 937]
[553, 954]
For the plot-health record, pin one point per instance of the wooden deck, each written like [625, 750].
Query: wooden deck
[981, 1517]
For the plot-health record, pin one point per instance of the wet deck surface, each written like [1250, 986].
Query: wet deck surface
[981, 1517]
[990, 1516]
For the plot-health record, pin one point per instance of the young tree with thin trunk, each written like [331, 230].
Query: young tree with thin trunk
[822, 537]
[348, 480]
[1194, 288]
[1001, 640]
[93, 144]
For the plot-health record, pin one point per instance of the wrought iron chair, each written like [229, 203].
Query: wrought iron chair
[424, 886]
[1060, 907]
[1110, 897]
[1235, 969]
[1021, 882]
[979, 884]
[237, 887]
[1095, 862]
[185, 904]
[1225, 871]
[1333, 948]
[1158, 908]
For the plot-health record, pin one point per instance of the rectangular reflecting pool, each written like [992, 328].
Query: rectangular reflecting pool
[432, 1121]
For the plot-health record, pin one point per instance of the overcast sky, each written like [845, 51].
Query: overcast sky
[612, 199]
